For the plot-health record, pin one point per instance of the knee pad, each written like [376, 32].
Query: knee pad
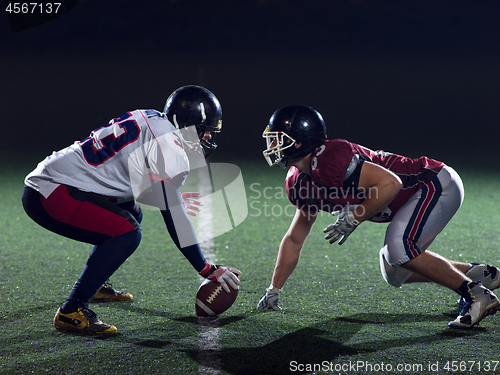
[393, 275]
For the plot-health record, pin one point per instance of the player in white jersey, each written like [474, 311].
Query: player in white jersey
[89, 192]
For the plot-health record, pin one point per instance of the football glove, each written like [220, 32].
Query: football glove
[343, 227]
[191, 206]
[270, 300]
[223, 275]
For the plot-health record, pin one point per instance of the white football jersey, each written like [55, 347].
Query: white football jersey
[118, 160]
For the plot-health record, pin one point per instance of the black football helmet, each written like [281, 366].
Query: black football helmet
[195, 106]
[291, 125]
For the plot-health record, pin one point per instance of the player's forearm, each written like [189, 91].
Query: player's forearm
[185, 239]
[194, 255]
[378, 198]
[380, 187]
[288, 258]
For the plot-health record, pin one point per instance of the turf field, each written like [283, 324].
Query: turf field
[339, 317]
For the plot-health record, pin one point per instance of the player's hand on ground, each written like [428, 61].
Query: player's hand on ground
[270, 300]
[223, 275]
[192, 206]
[343, 227]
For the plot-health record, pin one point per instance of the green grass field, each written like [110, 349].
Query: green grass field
[339, 315]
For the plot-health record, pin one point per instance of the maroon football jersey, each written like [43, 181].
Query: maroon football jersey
[335, 168]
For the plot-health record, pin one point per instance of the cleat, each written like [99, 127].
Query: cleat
[480, 303]
[107, 293]
[83, 320]
[488, 275]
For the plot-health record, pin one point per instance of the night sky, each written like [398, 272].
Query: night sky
[411, 77]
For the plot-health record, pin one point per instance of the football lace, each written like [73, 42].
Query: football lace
[214, 294]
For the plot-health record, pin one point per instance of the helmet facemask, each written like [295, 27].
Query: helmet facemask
[276, 142]
[209, 145]
[193, 136]
[190, 138]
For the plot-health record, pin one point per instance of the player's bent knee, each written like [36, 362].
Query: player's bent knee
[392, 275]
[114, 251]
[392, 281]
[129, 241]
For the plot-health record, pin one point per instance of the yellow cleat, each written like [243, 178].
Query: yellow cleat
[107, 293]
[83, 320]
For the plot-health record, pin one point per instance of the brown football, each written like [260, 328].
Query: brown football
[212, 299]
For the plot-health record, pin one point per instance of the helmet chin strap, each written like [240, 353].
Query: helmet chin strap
[297, 145]
[282, 163]
[303, 163]
[208, 147]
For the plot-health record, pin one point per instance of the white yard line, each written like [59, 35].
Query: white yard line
[209, 359]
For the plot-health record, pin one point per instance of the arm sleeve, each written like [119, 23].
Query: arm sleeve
[351, 179]
[180, 227]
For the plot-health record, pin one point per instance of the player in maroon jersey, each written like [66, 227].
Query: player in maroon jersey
[417, 196]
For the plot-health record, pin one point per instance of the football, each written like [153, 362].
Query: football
[212, 299]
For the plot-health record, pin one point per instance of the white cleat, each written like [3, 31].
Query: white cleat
[480, 303]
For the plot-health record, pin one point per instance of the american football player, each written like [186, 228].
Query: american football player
[91, 190]
[418, 197]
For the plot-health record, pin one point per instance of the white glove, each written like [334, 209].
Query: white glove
[270, 300]
[223, 275]
[191, 206]
[343, 227]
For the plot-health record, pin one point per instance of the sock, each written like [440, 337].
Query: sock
[471, 266]
[464, 289]
[71, 306]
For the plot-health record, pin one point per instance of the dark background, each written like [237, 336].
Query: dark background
[412, 77]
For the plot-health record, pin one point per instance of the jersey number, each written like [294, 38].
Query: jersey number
[105, 142]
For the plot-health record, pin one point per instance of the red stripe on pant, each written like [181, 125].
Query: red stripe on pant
[85, 215]
[418, 219]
